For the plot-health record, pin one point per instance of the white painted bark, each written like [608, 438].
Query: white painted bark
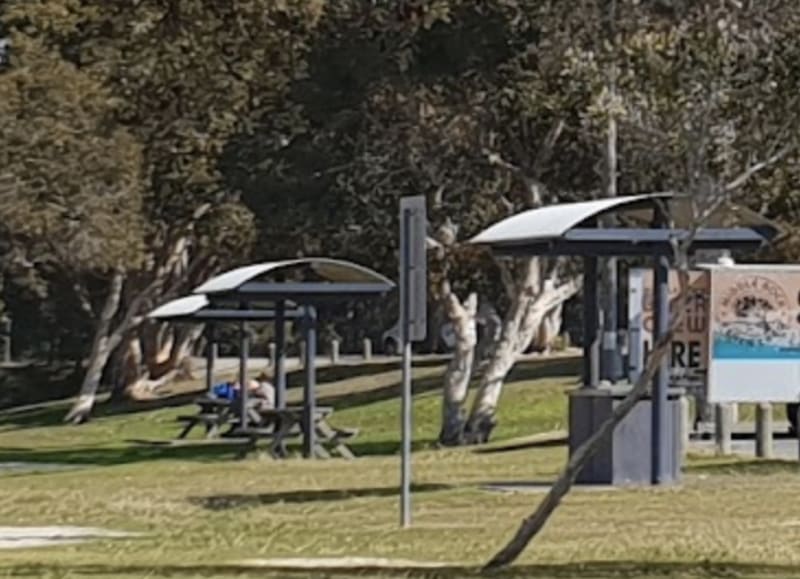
[530, 304]
[103, 345]
[168, 359]
[111, 328]
[548, 329]
[459, 370]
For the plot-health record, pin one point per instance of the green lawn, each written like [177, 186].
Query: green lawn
[203, 513]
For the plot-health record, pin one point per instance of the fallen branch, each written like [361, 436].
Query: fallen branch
[532, 525]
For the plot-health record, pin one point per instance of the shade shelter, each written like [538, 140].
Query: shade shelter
[278, 291]
[646, 447]
[198, 310]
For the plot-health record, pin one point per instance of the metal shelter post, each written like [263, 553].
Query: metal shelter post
[211, 355]
[309, 388]
[611, 365]
[413, 323]
[591, 329]
[244, 353]
[660, 403]
[405, 316]
[280, 355]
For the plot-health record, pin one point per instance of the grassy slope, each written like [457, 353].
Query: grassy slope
[200, 509]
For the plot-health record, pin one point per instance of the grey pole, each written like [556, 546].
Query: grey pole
[243, 355]
[405, 321]
[610, 368]
[309, 402]
[764, 430]
[211, 356]
[6, 321]
[280, 355]
[797, 421]
[660, 408]
[591, 338]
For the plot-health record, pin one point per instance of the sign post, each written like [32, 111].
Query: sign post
[413, 322]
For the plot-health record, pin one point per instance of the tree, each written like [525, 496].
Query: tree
[435, 99]
[186, 75]
[70, 176]
[693, 121]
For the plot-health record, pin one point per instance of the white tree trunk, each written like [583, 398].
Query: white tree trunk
[103, 345]
[517, 333]
[166, 359]
[529, 307]
[548, 330]
[459, 371]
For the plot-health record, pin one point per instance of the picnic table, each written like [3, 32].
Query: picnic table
[279, 426]
[215, 413]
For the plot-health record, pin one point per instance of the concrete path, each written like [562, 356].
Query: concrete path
[27, 537]
[782, 448]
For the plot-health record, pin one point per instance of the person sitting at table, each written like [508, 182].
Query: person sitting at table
[262, 389]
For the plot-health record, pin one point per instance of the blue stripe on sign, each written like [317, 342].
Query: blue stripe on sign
[726, 349]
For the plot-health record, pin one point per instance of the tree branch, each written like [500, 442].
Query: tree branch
[754, 169]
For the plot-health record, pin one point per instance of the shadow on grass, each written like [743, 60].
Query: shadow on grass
[52, 413]
[109, 456]
[579, 570]
[747, 467]
[780, 435]
[202, 451]
[227, 502]
[525, 371]
[512, 447]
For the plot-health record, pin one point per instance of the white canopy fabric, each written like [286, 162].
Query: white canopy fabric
[333, 270]
[554, 221]
[185, 306]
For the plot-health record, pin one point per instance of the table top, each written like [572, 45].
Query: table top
[295, 410]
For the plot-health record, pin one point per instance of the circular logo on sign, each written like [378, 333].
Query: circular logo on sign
[755, 309]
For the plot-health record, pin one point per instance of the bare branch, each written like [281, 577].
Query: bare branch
[755, 168]
[83, 299]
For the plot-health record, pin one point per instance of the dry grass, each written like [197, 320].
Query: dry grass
[203, 512]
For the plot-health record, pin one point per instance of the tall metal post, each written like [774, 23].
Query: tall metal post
[591, 334]
[6, 322]
[413, 323]
[280, 355]
[309, 389]
[244, 353]
[660, 400]
[611, 365]
[211, 356]
[405, 315]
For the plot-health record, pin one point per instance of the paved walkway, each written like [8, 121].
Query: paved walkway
[744, 444]
[26, 537]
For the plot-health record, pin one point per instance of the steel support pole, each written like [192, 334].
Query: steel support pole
[591, 333]
[405, 322]
[244, 348]
[211, 356]
[280, 355]
[611, 365]
[660, 402]
[309, 388]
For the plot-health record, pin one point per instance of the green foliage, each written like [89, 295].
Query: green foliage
[71, 176]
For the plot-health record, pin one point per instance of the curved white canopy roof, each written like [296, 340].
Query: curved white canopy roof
[185, 306]
[332, 270]
[554, 221]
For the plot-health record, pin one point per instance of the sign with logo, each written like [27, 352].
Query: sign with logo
[689, 350]
[755, 334]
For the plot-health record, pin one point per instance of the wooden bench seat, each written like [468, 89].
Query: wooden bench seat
[206, 418]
